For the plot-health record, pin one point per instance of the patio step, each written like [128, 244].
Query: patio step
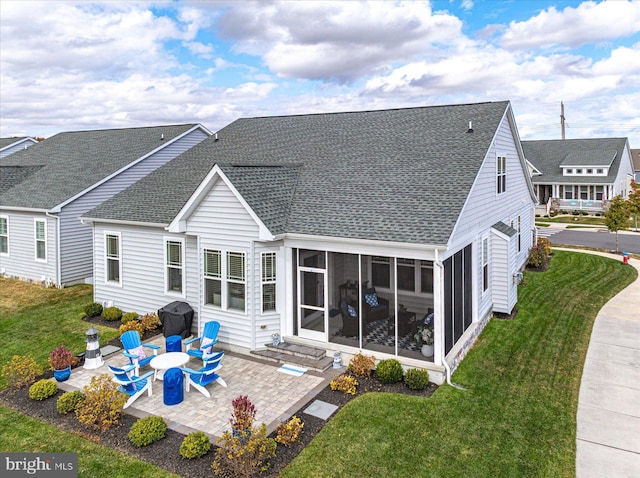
[309, 357]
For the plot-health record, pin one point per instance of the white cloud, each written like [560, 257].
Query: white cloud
[199, 49]
[590, 22]
[336, 40]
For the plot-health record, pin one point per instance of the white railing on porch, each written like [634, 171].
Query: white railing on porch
[579, 204]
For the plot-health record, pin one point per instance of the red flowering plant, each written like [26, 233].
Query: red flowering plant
[244, 412]
[60, 358]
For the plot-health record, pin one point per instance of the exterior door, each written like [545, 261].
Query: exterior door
[312, 292]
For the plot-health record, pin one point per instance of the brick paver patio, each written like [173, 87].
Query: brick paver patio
[277, 396]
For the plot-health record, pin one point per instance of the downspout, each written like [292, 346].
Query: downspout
[57, 218]
[200, 284]
[251, 280]
[447, 369]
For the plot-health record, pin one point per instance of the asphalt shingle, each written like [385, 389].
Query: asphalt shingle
[392, 175]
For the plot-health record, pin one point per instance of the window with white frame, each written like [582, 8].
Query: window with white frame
[236, 281]
[485, 264]
[4, 235]
[568, 192]
[213, 277]
[112, 257]
[41, 239]
[501, 174]
[268, 275]
[519, 229]
[174, 260]
[406, 275]
[381, 272]
[426, 277]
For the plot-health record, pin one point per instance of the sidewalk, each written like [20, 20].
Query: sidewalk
[608, 421]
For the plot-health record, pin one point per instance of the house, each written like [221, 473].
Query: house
[11, 145]
[46, 188]
[342, 231]
[635, 156]
[579, 174]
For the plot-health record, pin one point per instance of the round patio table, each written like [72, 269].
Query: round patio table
[166, 361]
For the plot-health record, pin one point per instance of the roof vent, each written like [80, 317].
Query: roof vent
[215, 137]
[470, 130]
[162, 137]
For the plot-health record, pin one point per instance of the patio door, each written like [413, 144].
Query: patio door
[312, 295]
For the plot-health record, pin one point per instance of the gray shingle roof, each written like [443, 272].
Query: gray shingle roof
[4, 142]
[12, 175]
[392, 175]
[504, 229]
[73, 161]
[548, 155]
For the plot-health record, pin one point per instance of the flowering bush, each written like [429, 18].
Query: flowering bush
[424, 335]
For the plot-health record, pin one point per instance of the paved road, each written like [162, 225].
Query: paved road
[601, 240]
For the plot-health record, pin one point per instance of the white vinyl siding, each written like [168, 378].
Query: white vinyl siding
[76, 248]
[113, 257]
[40, 240]
[143, 270]
[174, 266]
[4, 235]
[268, 279]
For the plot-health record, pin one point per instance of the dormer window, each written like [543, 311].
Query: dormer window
[599, 171]
[589, 171]
[569, 171]
[579, 171]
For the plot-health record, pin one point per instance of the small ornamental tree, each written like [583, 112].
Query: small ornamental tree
[616, 217]
[633, 202]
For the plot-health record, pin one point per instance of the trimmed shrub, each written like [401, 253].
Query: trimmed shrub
[416, 379]
[244, 456]
[287, 433]
[129, 316]
[21, 371]
[195, 445]
[362, 365]
[43, 389]
[147, 430]
[150, 321]
[93, 309]
[60, 358]
[131, 325]
[575, 213]
[389, 371]
[69, 402]
[112, 313]
[344, 383]
[103, 403]
[546, 244]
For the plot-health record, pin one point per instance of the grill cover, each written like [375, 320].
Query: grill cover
[176, 319]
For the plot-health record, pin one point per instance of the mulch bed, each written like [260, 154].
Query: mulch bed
[165, 453]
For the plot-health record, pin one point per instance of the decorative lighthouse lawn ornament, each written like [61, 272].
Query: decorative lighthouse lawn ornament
[93, 357]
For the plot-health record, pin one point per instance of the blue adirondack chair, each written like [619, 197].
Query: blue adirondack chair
[206, 342]
[134, 350]
[133, 385]
[207, 374]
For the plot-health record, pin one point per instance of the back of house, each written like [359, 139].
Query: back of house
[46, 188]
[347, 231]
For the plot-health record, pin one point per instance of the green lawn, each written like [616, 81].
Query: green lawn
[571, 219]
[518, 415]
[516, 418]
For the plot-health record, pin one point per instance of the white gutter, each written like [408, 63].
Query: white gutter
[447, 369]
[57, 218]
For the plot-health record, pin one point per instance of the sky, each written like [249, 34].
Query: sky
[78, 65]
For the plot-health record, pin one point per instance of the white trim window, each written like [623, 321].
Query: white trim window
[519, 229]
[406, 270]
[381, 272]
[426, 277]
[268, 280]
[236, 289]
[40, 237]
[112, 257]
[4, 235]
[174, 266]
[501, 174]
[485, 264]
[212, 277]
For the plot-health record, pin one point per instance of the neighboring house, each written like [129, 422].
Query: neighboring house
[274, 224]
[635, 156]
[46, 188]
[579, 174]
[11, 145]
